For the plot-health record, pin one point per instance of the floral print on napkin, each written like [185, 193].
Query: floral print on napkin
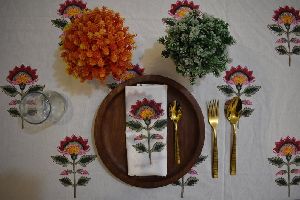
[287, 28]
[74, 147]
[287, 160]
[19, 78]
[146, 111]
[192, 179]
[242, 79]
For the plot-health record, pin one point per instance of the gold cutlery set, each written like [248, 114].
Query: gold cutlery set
[232, 112]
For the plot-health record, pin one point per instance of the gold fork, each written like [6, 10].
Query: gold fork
[213, 119]
[175, 115]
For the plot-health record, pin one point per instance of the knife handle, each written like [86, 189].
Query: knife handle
[215, 155]
[233, 152]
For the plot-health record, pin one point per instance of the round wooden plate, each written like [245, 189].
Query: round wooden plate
[109, 133]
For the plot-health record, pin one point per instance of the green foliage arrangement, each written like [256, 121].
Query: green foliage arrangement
[198, 44]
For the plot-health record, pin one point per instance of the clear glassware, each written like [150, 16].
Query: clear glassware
[38, 107]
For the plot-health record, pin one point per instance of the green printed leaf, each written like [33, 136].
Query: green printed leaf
[66, 181]
[191, 181]
[296, 180]
[246, 112]
[112, 85]
[169, 21]
[200, 159]
[14, 112]
[281, 181]
[160, 124]
[281, 50]
[10, 90]
[35, 88]
[176, 183]
[296, 30]
[61, 160]
[296, 161]
[277, 29]
[135, 125]
[140, 147]
[296, 50]
[251, 90]
[59, 23]
[226, 89]
[158, 147]
[86, 159]
[83, 181]
[277, 161]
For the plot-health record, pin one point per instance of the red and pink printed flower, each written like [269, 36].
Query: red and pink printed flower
[131, 73]
[71, 8]
[286, 15]
[146, 110]
[239, 76]
[73, 146]
[181, 8]
[22, 76]
[287, 146]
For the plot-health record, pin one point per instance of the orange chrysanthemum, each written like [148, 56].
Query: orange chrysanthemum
[96, 44]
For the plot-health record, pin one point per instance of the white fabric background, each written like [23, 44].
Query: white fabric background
[27, 37]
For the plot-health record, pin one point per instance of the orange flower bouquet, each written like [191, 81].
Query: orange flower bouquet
[96, 44]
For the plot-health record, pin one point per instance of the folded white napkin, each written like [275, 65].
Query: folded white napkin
[146, 130]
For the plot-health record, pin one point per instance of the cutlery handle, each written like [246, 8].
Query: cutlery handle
[177, 151]
[215, 155]
[233, 151]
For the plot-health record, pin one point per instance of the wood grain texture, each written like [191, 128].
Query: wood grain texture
[109, 133]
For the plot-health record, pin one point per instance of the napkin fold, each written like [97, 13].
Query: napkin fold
[146, 129]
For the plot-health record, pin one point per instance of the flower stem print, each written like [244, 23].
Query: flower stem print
[20, 76]
[146, 110]
[287, 24]
[239, 77]
[76, 148]
[287, 148]
[191, 180]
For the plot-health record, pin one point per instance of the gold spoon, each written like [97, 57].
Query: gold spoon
[175, 115]
[233, 115]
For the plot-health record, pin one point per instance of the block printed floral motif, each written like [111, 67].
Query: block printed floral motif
[287, 28]
[192, 179]
[76, 148]
[289, 149]
[242, 79]
[69, 10]
[146, 111]
[21, 76]
[129, 74]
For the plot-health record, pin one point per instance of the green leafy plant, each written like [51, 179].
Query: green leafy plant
[197, 43]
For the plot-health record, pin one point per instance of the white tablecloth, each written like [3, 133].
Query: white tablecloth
[27, 37]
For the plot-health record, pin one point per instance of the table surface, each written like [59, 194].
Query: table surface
[27, 37]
